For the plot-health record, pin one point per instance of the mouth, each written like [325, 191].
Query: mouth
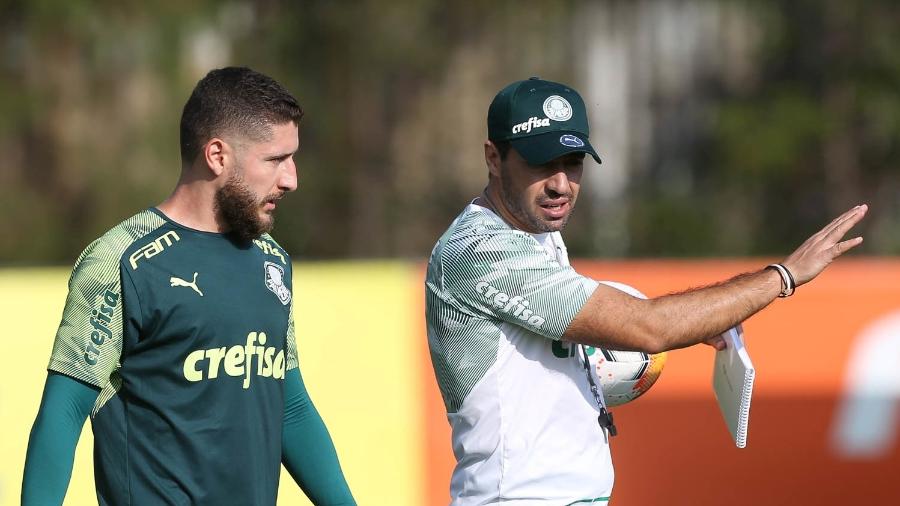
[555, 209]
[269, 203]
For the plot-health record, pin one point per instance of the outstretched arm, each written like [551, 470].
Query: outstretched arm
[616, 320]
[65, 405]
[307, 450]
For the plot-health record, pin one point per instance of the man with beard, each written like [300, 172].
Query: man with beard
[529, 427]
[177, 336]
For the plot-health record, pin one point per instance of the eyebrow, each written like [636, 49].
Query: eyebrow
[279, 156]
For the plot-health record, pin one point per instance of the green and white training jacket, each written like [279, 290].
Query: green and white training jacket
[524, 421]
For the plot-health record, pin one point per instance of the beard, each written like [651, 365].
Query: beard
[239, 209]
[530, 219]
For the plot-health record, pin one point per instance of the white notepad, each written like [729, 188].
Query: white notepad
[733, 375]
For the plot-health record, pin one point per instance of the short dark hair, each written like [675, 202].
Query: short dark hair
[234, 100]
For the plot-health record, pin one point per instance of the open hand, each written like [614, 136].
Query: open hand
[818, 251]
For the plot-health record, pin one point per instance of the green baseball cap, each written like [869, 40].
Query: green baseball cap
[542, 120]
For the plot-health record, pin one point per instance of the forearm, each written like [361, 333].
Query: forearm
[307, 450]
[694, 316]
[612, 319]
[618, 321]
[65, 406]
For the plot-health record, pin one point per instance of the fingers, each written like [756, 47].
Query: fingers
[835, 222]
[832, 238]
[807, 261]
[845, 246]
[834, 231]
[846, 221]
[717, 342]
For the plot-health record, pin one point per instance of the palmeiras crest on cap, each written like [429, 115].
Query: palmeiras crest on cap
[275, 282]
[557, 108]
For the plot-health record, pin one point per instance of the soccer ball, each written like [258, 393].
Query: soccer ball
[626, 375]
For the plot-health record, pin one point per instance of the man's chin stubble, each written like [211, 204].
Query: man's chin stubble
[238, 211]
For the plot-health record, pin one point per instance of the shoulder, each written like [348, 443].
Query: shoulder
[478, 233]
[270, 246]
[271, 240]
[108, 249]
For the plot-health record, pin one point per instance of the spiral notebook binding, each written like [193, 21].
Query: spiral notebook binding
[744, 419]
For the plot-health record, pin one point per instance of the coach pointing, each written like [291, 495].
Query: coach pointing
[524, 422]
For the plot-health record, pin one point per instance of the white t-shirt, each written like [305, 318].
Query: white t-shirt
[524, 421]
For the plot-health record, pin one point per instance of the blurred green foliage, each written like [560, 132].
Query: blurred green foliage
[395, 95]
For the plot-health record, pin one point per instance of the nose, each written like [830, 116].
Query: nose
[287, 180]
[558, 183]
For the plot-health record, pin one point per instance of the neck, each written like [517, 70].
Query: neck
[192, 204]
[492, 199]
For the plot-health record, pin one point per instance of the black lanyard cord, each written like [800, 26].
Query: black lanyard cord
[606, 417]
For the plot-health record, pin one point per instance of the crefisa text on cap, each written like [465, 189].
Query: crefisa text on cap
[533, 122]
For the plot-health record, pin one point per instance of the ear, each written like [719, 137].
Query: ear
[216, 153]
[492, 158]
